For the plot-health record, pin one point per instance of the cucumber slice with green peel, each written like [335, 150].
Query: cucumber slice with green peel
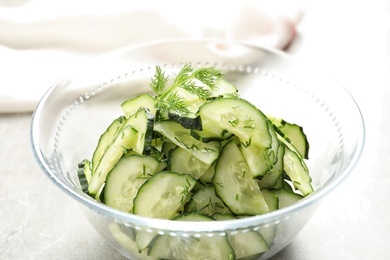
[124, 140]
[193, 216]
[156, 153]
[192, 123]
[257, 159]
[127, 177]
[248, 245]
[143, 122]
[274, 176]
[207, 136]
[128, 243]
[123, 134]
[297, 171]
[177, 134]
[272, 152]
[181, 160]
[271, 199]
[286, 197]
[210, 130]
[163, 195]
[293, 133]
[222, 87]
[220, 216]
[84, 174]
[239, 117]
[267, 233]
[143, 239]
[188, 247]
[167, 147]
[131, 106]
[206, 202]
[106, 140]
[208, 175]
[261, 160]
[235, 185]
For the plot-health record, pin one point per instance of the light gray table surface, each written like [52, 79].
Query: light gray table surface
[38, 220]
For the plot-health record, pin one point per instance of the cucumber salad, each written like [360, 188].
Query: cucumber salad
[194, 149]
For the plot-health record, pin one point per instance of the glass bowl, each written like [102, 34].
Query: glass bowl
[74, 112]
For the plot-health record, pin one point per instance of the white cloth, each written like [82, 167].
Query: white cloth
[42, 39]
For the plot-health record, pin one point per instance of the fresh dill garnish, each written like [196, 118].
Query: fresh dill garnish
[183, 75]
[167, 98]
[159, 81]
[190, 86]
[207, 76]
[172, 103]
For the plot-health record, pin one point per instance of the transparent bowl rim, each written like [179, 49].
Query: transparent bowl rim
[184, 226]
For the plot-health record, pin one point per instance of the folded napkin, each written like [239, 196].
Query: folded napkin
[42, 39]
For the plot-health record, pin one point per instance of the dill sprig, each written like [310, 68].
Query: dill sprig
[169, 101]
[159, 81]
[183, 75]
[173, 103]
[200, 92]
[207, 76]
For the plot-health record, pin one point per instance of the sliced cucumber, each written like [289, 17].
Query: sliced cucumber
[286, 197]
[121, 136]
[181, 160]
[183, 247]
[163, 195]
[294, 134]
[143, 122]
[210, 130]
[193, 216]
[167, 147]
[248, 245]
[261, 160]
[219, 216]
[127, 177]
[206, 152]
[193, 123]
[258, 161]
[127, 242]
[84, 174]
[271, 199]
[208, 175]
[207, 136]
[239, 117]
[206, 202]
[131, 106]
[222, 88]
[106, 140]
[156, 153]
[123, 141]
[274, 176]
[297, 171]
[143, 239]
[235, 185]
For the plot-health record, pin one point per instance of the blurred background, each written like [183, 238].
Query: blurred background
[40, 39]
[348, 40]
